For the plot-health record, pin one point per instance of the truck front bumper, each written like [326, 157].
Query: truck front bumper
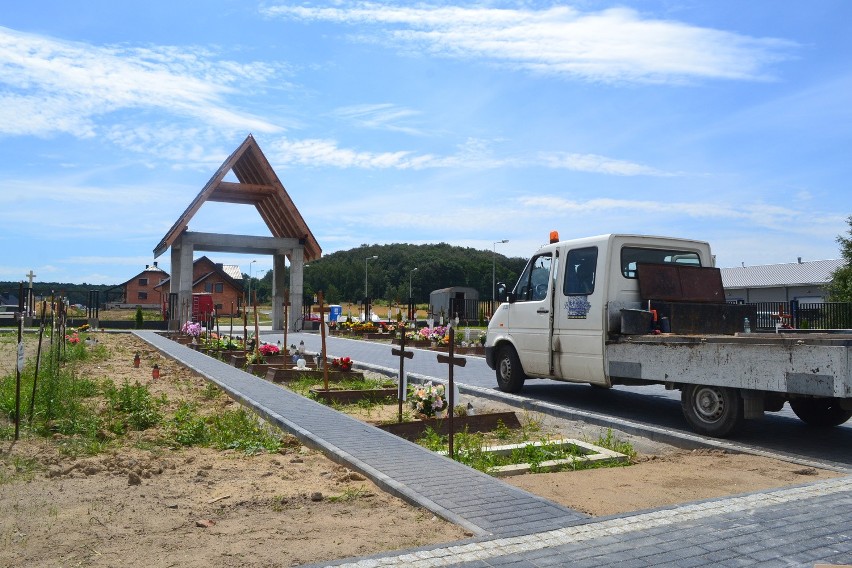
[489, 357]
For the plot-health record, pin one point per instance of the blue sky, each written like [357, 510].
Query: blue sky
[465, 123]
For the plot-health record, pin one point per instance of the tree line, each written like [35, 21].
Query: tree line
[391, 275]
[341, 275]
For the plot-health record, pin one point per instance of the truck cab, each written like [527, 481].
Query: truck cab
[555, 321]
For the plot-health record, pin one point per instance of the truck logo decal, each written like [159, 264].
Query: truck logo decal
[577, 307]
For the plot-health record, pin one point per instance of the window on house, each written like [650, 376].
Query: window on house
[143, 281]
[142, 295]
[220, 287]
[208, 287]
[218, 307]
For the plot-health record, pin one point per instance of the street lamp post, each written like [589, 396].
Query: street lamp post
[374, 257]
[410, 274]
[411, 310]
[366, 294]
[494, 272]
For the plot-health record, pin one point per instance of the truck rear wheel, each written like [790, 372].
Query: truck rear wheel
[510, 374]
[820, 412]
[713, 411]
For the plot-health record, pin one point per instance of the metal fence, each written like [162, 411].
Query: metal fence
[825, 315]
[472, 312]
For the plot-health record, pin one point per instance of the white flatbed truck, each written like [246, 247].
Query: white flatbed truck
[579, 313]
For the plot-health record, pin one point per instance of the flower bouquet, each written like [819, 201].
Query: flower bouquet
[268, 349]
[427, 399]
[192, 329]
[342, 363]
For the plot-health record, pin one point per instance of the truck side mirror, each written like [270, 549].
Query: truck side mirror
[502, 295]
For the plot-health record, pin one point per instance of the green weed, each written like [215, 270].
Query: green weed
[18, 468]
[349, 495]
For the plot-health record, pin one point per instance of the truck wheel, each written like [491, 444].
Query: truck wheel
[510, 374]
[820, 412]
[713, 411]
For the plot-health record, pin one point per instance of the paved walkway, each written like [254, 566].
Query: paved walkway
[797, 526]
[457, 493]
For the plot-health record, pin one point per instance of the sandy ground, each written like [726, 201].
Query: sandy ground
[200, 507]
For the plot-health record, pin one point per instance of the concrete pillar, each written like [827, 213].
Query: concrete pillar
[279, 265]
[297, 288]
[174, 286]
[185, 286]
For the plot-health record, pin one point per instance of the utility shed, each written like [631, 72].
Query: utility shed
[460, 301]
[802, 281]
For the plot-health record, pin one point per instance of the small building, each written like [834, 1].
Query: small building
[802, 281]
[455, 301]
[141, 290]
[224, 282]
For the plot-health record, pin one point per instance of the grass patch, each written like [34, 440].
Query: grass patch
[472, 449]
[137, 409]
[92, 416]
[232, 429]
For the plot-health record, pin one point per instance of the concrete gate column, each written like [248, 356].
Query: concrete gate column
[184, 284]
[279, 284]
[297, 272]
[174, 287]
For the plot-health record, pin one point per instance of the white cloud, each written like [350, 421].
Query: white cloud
[327, 153]
[473, 154]
[382, 116]
[50, 86]
[593, 163]
[617, 44]
[763, 215]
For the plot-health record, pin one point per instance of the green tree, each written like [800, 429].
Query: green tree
[139, 317]
[840, 286]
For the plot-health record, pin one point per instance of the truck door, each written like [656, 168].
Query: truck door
[578, 318]
[530, 316]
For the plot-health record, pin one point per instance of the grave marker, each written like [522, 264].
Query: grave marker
[403, 355]
[452, 361]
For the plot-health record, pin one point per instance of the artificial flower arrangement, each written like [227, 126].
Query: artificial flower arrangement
[191, 328]
[342, 363]
[73, 339]
[269, 349]
[432, 333]
[427, 399]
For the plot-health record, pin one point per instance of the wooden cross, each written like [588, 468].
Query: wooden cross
[30, 276]
[452, 360]
[403, 355]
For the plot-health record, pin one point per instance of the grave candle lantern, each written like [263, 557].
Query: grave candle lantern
[136, 360]
[155, 372]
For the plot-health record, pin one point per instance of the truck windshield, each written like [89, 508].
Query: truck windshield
[533, 283]
[630, 256]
